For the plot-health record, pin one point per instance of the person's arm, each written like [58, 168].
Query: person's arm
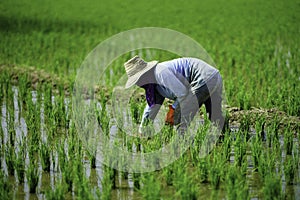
[149, 114]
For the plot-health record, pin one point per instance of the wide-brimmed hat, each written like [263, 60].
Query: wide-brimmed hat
[135, 68]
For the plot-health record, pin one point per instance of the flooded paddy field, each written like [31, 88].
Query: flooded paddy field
[42, 156]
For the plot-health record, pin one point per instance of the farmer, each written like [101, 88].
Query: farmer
[190, 82]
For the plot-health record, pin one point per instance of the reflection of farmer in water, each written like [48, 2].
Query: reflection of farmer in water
[189, 81]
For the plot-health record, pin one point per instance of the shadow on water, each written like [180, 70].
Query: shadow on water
[15, 136]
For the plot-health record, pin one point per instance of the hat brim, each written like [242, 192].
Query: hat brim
[133, 79]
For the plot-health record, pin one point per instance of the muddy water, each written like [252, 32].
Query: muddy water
[124, 187]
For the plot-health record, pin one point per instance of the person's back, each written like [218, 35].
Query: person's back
[196, 72]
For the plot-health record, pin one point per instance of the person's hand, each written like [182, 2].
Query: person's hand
[170, 116]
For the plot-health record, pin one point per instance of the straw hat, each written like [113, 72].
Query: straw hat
[135, 68]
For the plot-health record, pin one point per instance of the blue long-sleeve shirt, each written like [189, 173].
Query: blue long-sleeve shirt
[175, 79]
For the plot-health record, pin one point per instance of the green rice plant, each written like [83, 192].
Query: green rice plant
[1, 140]
[203, 170]
[231, 181]
[48, 106]
[32, 175]
[273, 132]
[136, 181]
[75, 172]
[226, 146]
[244, 99]
[1, 89]
[272, 187]
[103, 118]
[11, 126]
[215, 177]
[288, 141]
[58, 193]
[107, 184]
[68, 175]
[23, 85]
[183, 182]
[214, 195]
[260, 127]
[216, 169]
[66, 166]
[240, 146]
[59, 113]
[82, 187]
[256, 151]
[62, 156]
[5, 187]
[10, 159]
[168, 173]
[150, 188]
[20, 166]
[92, 158]
[296, 157]
[113, 174]
[44, 152]
[197, 142]
[235, 183]
[135, 112]
[245, 126]
[5, 84]
[73, 151]
[33, 122]
[290, 169]
[267, 163]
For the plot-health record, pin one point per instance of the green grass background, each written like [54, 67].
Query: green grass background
[254, 43]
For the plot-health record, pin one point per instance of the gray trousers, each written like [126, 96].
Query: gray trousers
[210, 95]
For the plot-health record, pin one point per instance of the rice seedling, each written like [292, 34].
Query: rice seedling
[92, 158]
[235, 183]
[10, 159]
[260, 127]
[82, 188]
[290, 170]
[244, 127]
[168, 174]
[20, 166]
[203, 170]
[5, 187]
[136, 181]
[58, 193]
[32, 175]
[11, 127]
[216, 170]
[106, 184]
[150, 188]
[67, 175]
[288, 141]
[226, 146]
[256, 150]
[183, 182]
[44, 153]
[272, 187]
[33, 123]
[240, 149]
[267, 163]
